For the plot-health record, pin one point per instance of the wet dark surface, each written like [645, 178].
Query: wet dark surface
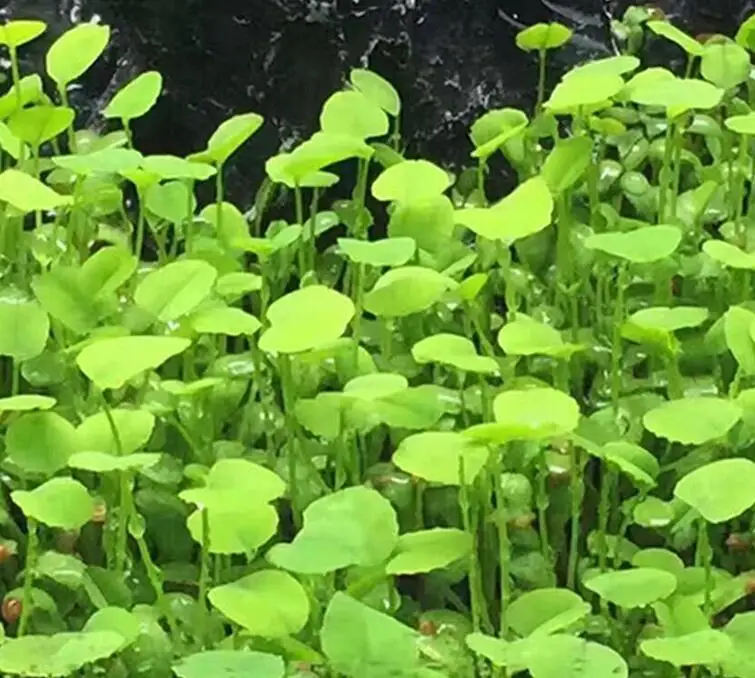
[449, 59]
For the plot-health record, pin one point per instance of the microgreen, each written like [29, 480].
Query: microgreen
[423, 428]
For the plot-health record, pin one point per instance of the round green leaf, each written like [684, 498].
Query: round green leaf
[640, 246]
[352, 112]
[376, 89]
[134, 431]
[57, 656]
[235, 530]
[541, 37]
[358, 640]
[233, 483]
[176, 289]
[39, 124]
[407, 290]
[352, 527]
[659, 559]
[738, 322]
[583, 91]
[725, 64]
[19, 32]
[637, 587]
[25, 403]
[40, 442]
[741, 124]
[563, 656]
[613, 65]
[721, 490]
[676, 95]
[523, 212]
[136, 98]
[694, 420]
[226, 320]
[672, 33]
[115, 620]
[729, 255]
[230, 664]
[669, 319]
[24, 326]
[74, 52]
[267, 603]
[428, 550]
[113, 361]
[28, 194]
[701, 647]
[230, 135]
[102, 462]
[60, 502]
[454, 351]
[105, 161]
[237, 284]
[411, 181]
[534, 414]
[437, 457]
[386, 252]
[173, 167]
[545, 611]
[634, 461]
[308, 318]
[525, 336]
[653, 513]
[495, 128]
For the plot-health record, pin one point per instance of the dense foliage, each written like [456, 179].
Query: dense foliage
[407, 429]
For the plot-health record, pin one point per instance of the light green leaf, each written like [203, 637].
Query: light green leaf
[741, 124]
[60, 502]
[74, 52]
[407, 290]
[56, 656]
[725, 64]
[720, 490]
[633, 588]
[230, 664]
[134, 431]
[640, 246]
[225, 320]
[523, 212]
[40, 442]
[583, 91]
[377, 89]
[20, 31]
[352, 112]
[702, 647]
[693, 420]
[567, 163]
[385, 252]
[729, 255]
[356, 526]
[175, 289]
[308, 318]
[525, 336]
[672, 33]
[230, 135]
[411, 181]
[541, 37]
[28, 194]
[25, 403]
[632, 460]
[24, 326]
[361, 642]
[562, 656]
[738, 323]
[136, 98]
[436, 456]
[102, 462]
[428, 550]
[267, 603]
[235, 528]
[113, 361]
[454, 351]
[545, 611]
[233, 483]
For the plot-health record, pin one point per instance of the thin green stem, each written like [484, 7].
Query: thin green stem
[504, 554]
[204, 578]
[576, 490]
[618, 321]
[32, 547]
[541, 71]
